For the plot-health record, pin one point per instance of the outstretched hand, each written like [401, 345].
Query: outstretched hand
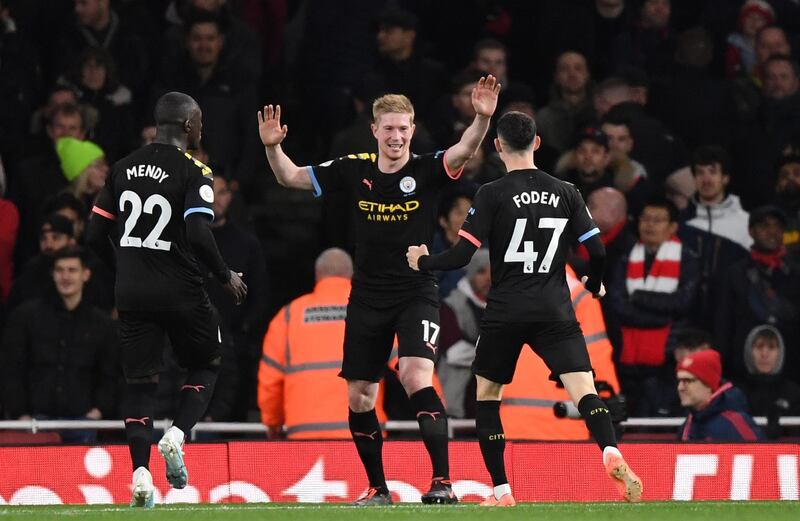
[600, 293]
[484, 96]
[414, 253]
[236, 287]
[269, 126]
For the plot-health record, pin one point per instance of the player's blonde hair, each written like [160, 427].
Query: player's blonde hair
[392, 103]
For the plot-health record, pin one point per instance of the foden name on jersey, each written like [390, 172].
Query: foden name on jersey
[153, 171]
[536, 198]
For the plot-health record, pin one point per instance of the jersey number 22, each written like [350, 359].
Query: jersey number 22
[527, 256]
[152, 241]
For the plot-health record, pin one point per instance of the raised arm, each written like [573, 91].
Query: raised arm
[484, 101]
[272, 134]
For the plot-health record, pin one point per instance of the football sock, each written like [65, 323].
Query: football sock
[598, 420]
[366, 432]
[432, 419]
[195, 395]
[138, 408]
[491, 439]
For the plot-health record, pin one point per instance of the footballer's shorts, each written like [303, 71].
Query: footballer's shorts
[193, 332]
[560, 344]
[371, 326]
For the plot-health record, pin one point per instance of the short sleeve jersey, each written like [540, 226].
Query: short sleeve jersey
[393, 212]
[149, 193]
[530, 220]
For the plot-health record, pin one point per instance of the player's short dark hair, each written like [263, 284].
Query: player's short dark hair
[692, 338]
[659, 201]
[516, 130]
[487, 43]
[451, 197]
[65, 200]
[174, 108]
[71, 252]
[617, 119]
[705, 155]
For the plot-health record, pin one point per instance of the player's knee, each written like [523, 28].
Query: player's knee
[487, 390]
[414, 377]
[361, 396]
[152, 379]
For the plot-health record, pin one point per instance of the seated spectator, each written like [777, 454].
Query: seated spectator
[35, 279]
[60, 353]
[94, 77]
[455, 113]
[452, 211]
[650, 43]
[763, 288]
[527, 408]
[687, 341]
[570, 106]
[587, 166]
[714, 224]
[768, 390]
[69, 206]
[740, 55]
[652, 291]
[690, 340]
[630, 176]
[299, 392]
[85, 167]
[244, 324]
[787, 191]
[717, 411]
[461, 314]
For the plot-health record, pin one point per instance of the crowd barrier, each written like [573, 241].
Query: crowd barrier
[285, 471]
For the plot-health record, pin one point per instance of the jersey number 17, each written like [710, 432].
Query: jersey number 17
[527, 256]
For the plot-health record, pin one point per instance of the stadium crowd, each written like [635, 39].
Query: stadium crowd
[678, 120]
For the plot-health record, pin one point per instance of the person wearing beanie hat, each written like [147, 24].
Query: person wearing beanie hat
[76, 155]
[740, 55]
[717, 410]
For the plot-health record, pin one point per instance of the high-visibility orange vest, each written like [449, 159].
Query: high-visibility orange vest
[298, 386]
[527, 406]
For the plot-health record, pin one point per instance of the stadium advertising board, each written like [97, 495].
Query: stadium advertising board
[331, 472]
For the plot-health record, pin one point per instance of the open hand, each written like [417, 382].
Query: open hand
[236, 287]
[484, 96]
[600, 294]
[269, 126]
[414, 253]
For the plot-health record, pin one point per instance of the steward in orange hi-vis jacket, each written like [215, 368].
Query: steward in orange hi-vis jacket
[527, 407]
[298, 386]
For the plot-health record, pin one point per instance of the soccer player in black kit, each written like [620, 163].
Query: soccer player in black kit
[157, 206]
[395, 196]
[530, 219]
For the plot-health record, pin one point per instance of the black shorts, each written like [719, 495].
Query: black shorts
[193, 332]
[559, 344]
[370, 331]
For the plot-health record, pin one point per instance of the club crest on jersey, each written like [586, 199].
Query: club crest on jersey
[408, 184]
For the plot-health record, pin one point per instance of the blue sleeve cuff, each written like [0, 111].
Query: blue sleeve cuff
[198, 209]
[314, 182]
[590, 233]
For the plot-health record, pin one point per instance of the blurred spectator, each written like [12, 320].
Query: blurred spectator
[98, 25]
[39, 176]
[9, 226]
[94, 77]
[694, 103]
[609, 93]
[85, 167]
[35, 279]
[245, 323]
[652, 291]
[60, 353]
[650, 43]
[455, 112]
[587, 166]
[787, 192]
[717, 411]
[60, 94]
[490, 56]
[226, 91]
[769, 392]
[461, 314]
[570, 106]
[402, 64]
[690, 340]
[630, 176]
[715, 225]
[68, 205]
[527, 408]
[761, 289]
[452, 211]
[611, 17]
[679, 188]
[740, 55]
[298, 386]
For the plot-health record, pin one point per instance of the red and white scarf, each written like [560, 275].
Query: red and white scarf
[645, 346]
